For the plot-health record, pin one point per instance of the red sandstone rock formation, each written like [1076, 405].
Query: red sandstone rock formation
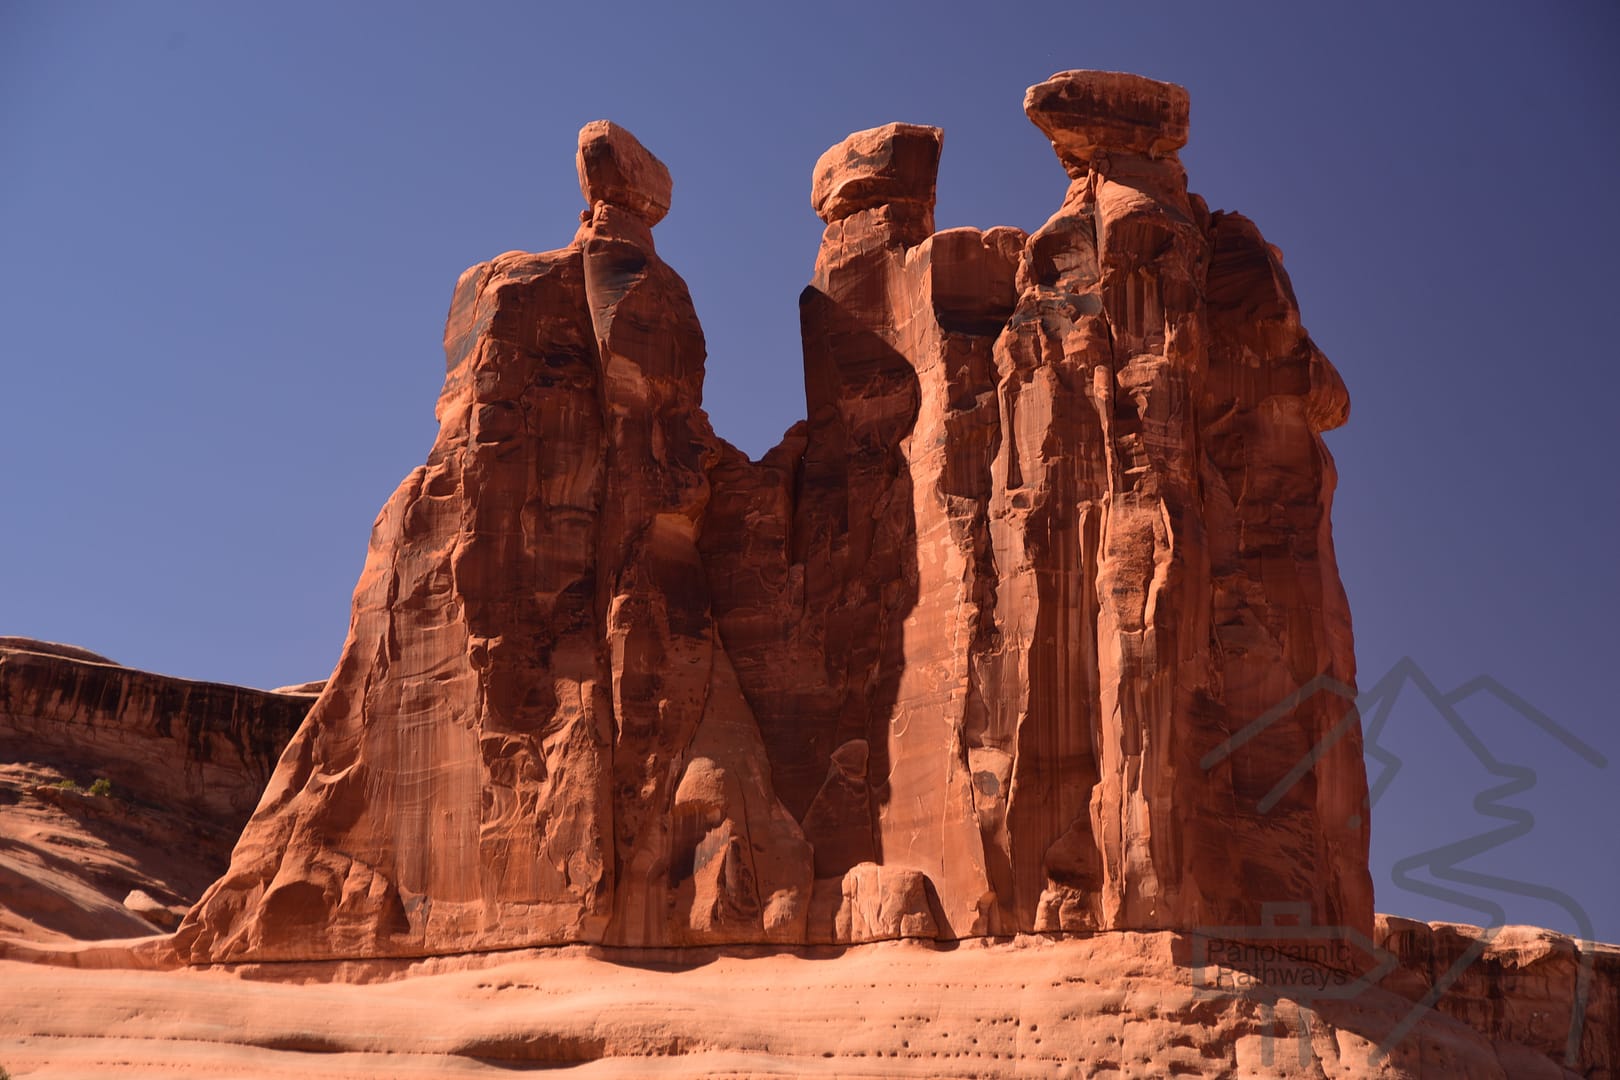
[977, 649]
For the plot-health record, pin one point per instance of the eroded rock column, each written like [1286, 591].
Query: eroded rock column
[979, 648]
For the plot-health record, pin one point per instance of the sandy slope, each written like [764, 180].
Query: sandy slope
[68, 859]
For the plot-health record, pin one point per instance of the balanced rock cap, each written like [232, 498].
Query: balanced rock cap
[895, 163]
[616, 169]
[1086, 113]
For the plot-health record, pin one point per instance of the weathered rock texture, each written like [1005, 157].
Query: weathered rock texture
[1117, 1004]
[1539, 996]
[207, 748]
[975, 650]
[186, 762]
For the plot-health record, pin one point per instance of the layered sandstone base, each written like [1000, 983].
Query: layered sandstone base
[1114, 1005]
[1443, 996]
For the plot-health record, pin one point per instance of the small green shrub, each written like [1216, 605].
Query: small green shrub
[101, 788]
[62, 785]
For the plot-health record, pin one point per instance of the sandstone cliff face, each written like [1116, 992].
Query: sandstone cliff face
[978, 649]
[533, 735]
[1539, 996]
[186, 762]
[207, 748]
[1125, 1004]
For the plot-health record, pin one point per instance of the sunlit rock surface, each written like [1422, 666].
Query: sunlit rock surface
[1021, 663]
[972, 652]
[121, 791]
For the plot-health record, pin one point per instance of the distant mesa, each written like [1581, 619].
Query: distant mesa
[121, 791]
[53, 648]
[312, 688]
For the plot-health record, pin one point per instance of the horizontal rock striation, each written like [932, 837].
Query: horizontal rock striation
[205, 748]
[121, 791]
[1539, 996]
[1033, 624]
[1120, 1003]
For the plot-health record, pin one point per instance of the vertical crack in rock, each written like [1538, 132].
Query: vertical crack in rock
[948, 661]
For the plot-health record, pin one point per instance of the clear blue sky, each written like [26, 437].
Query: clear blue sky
[228, 236]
